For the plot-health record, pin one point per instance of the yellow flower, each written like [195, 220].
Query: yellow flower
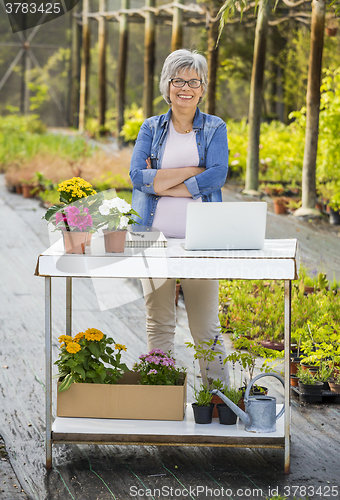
[93, 334]
[120, 347]
[65, 338]
[73, 347]
[78, 337]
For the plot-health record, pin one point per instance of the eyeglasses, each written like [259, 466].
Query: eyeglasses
[179, 83]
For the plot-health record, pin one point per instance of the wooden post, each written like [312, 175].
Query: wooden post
[255, 102]
[121, 70]
[85, 63]
[102, 64]
[27, 80]
[213, 29]
[149, 60]
[312, 110]
[177, 28]
[75, 70]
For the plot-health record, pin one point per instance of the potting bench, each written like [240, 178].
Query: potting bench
[277, 261]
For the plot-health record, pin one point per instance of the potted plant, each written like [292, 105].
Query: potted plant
[225, 414]
[203, 407]
[325, 373]
[308, 384]
[75, 215]
[280, 205]
[334, 383]
[115, 216]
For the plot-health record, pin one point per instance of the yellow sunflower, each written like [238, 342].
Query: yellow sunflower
[93, 334]
[65, 338]
[120, 347]
[73, 347]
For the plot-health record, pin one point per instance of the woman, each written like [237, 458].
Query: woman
[179, 158]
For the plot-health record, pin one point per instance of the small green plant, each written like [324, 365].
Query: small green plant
[233, 394]
[305, 376]
[203, 396]
[206, 349]
[325, 371]
[216, 384]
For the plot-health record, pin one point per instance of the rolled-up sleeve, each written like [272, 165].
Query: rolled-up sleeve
[216, 166]
[141, 176]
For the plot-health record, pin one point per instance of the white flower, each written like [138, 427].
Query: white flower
[124, 221]
[121, 205]
[234, 162]
[104, 209]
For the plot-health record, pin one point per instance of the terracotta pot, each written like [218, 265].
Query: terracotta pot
[74, 241]
[294, 363]
[331, 31]
[18, 188]
[294, 380]
[89, 239]
[309, 289]
[333, 386]
[280, 206]
[216, 400]
[27, 190]
[114, 241]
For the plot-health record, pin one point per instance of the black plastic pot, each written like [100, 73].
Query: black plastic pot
[203, 414]
[334, 217]
[310, 389]
[226, 415]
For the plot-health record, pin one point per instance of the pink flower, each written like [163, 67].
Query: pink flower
[157, 351]
[72, 217]
[152, 371]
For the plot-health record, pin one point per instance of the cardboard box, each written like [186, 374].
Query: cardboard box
[124, 400]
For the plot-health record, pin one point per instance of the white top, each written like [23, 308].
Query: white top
[180, 151]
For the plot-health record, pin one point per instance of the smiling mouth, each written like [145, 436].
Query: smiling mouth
[185, 96]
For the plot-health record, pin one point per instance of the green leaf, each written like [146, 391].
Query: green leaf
[91, 374]
[71, 363]
[80, 370]
[66, 383]
[95, 350]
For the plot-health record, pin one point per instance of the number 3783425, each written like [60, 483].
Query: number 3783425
[32, 8]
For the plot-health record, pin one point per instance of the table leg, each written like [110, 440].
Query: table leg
[48, 370]
[69, 306]
[287, 328]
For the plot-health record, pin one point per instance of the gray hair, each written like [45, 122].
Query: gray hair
[178, 61]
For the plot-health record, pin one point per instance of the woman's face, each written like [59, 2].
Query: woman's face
[185, 98]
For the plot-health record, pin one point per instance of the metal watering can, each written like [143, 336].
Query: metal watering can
[260, 414]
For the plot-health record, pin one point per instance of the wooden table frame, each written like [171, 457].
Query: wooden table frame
[278, 260]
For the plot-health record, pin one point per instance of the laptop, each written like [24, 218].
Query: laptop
[226, 226]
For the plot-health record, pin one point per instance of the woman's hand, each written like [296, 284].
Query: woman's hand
[148, 162]
[170, 177]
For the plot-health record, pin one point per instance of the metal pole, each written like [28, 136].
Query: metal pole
[177, 28]
[85, 62]
[121, 71]
[287, 327]
[102, 64]
[75, 70]
[149, 59]
[48, 370]
[212, 60]
[69, 306]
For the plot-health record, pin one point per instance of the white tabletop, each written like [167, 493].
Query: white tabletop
[277, 260]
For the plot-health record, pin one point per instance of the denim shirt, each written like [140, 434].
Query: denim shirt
[212, 145]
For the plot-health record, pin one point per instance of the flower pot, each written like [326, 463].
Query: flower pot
[88, 239]
[334, 217]
[28, 190]
[333, 386]
[309, 289]
[216, 400]
[310, 389]
[311, 368]
[18, 188]
[74, 241]
[294, 379]
[226, 415]
[203, 414]
[326, 386]
[331, 31]
[114, 241]
[280, 206]
[277, 346]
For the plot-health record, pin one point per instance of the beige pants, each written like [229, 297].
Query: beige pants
[201, 303]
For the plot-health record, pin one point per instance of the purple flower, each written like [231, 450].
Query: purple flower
[157, 351]
[152, 371]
